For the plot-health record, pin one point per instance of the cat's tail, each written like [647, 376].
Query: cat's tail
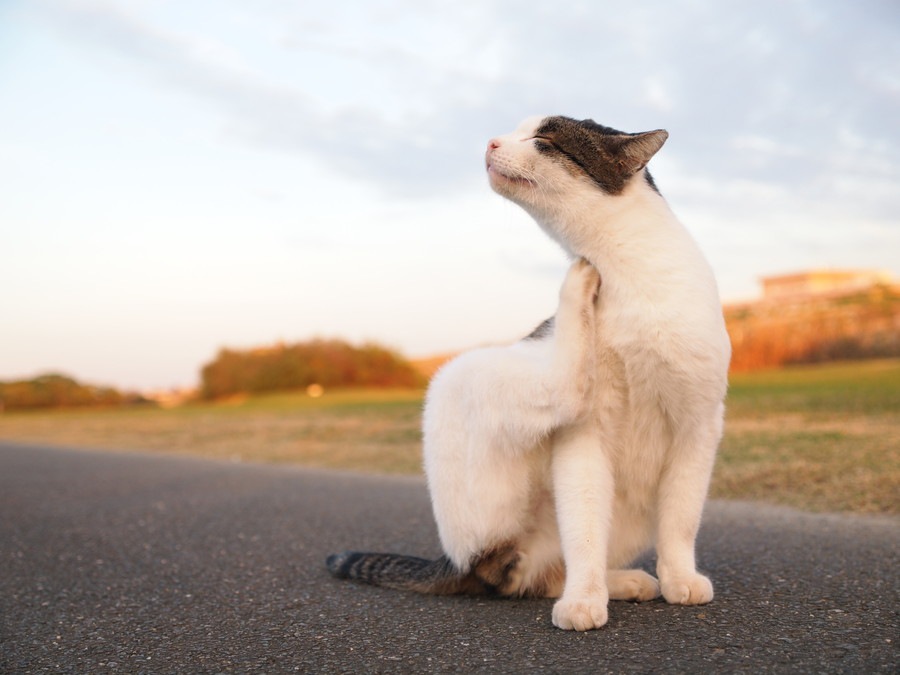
[432, 577]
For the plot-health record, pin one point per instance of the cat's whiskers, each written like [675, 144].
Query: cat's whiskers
[548, 189]
[538, 182]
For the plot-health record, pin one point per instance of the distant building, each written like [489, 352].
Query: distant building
[822, 282]
[816, 315]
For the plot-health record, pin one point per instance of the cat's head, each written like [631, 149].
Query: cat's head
[548, 159]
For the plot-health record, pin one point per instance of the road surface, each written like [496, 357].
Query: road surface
[126, 563]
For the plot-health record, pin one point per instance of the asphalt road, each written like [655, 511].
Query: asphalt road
[126, 563]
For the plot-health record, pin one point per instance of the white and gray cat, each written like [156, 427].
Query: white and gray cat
[555, 462]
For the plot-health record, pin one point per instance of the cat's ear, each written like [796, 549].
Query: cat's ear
[635, 150]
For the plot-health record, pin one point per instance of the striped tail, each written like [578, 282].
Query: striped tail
[432, 577]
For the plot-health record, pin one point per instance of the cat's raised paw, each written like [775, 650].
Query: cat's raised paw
[582, 283]
[581, 615]
[695, 589]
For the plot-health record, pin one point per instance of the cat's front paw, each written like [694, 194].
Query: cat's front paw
[580, 614]
[694, 589]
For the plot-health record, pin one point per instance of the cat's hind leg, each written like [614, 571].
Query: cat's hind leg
[634, 585]
[631, 535]
[539, 570]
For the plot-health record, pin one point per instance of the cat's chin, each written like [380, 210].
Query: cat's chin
[505, 184]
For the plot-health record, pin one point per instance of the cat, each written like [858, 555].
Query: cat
[538, 492]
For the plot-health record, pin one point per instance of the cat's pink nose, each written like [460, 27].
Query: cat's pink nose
[493, 144]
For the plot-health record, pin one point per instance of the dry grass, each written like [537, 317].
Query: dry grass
[820, 465]
[824, 438]
[374, 431]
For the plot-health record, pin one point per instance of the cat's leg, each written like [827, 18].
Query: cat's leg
[634, 585]
[682, 493]
[583, 486]
[631, 535]
[573, 331]
[539, 570]
[487, 420]
[525, 391]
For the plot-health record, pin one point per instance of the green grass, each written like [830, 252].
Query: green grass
[854, 388]
[823, 438]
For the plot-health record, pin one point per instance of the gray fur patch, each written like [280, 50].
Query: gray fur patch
[543, 331]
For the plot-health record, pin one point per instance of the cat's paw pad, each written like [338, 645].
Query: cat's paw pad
[695, 589]
[583, 614]
[634, 585]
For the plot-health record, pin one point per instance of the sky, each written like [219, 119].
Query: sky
[181, 176]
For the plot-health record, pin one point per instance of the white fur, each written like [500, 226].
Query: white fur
[590, 445]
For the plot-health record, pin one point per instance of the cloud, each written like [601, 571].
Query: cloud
[657, 96]
[358, 140]
[795, 96]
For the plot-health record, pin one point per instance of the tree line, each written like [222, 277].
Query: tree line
[328, 363]
[54, 390]
[763, 335]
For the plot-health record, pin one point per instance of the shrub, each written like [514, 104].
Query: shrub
[329, 363]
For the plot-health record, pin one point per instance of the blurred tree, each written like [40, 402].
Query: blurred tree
[54, 390]
[329, 363]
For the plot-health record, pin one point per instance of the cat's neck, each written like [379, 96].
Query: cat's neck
[634, 239]
[608, 231]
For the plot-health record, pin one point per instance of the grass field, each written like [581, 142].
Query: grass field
[822, 438]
